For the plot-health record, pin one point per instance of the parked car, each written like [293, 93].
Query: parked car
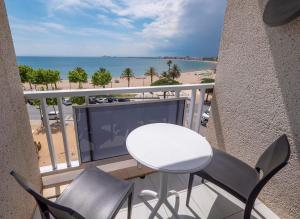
[101, 100]
[112, 99]
[123, 100]
[67, 102]
[52, 115]
[92, 100]
[205, 117]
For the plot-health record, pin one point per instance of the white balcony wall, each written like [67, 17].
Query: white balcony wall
[17, 151]
[257, 94]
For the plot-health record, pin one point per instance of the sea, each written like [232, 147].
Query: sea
[115, 65]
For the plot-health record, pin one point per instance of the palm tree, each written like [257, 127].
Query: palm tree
[169, 63]
[151, 72]
[164, 74]
[127, 73]
[175, 72]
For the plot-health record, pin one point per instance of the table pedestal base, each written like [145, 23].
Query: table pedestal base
[162, 196]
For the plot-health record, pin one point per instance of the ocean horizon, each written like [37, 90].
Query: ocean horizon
[115, 65]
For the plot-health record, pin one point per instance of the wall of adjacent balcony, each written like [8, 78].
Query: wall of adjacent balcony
[257, 96]
[17, 150]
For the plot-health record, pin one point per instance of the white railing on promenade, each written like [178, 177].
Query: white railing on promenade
[60, 94]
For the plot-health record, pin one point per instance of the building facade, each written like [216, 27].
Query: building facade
[257, 96]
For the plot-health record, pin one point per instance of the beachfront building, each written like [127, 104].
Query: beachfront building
[255, 100]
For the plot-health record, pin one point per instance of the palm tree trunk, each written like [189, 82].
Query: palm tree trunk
[151, 79]
[55, 85]
[128, 81]
[80, 85]
[30, 85]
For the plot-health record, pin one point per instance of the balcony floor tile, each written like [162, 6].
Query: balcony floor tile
[207, 201]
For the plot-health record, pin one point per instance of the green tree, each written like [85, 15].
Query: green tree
[78, 75]
[175, 72]
[208, 91]
[37, 77]
[151, 72]
[54, 77]
[169, 63]
[25, 71]
[46, 77]
[101, 77]
[207, 80]
[78, 100]
[165, 81]
[31, 76]
[128, 74]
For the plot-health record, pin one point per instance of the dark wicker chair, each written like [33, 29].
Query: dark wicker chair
[92, 194]
[241, 180]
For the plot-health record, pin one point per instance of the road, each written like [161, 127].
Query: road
[34, 113]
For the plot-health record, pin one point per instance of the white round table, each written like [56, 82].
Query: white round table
[168, 148]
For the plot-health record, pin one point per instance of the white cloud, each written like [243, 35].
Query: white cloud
[124, 22]
[155, 27]
[165, 15]
[53, 26]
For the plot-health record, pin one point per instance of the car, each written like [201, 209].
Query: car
[53, 115]
[101, 100]
[92, 100]
[112, 99]
[67, 102]
[205, 117]
[123, 100]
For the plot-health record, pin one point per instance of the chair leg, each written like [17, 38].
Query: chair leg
[129, 206]
[248, 208]
[188, 197]
[202, 180]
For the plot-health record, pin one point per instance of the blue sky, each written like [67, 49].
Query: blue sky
[116, 27]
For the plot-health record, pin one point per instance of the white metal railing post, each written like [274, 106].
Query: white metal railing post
[87, 100]
[192, 108]
[63, 131]
[48, 133]
[200, 109]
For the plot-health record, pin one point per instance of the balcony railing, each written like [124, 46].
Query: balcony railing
[192, 121]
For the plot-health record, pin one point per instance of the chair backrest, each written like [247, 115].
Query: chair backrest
[102, 129]
[274, 158]
[46, 206]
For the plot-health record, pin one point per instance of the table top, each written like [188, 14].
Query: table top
[169, 148]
